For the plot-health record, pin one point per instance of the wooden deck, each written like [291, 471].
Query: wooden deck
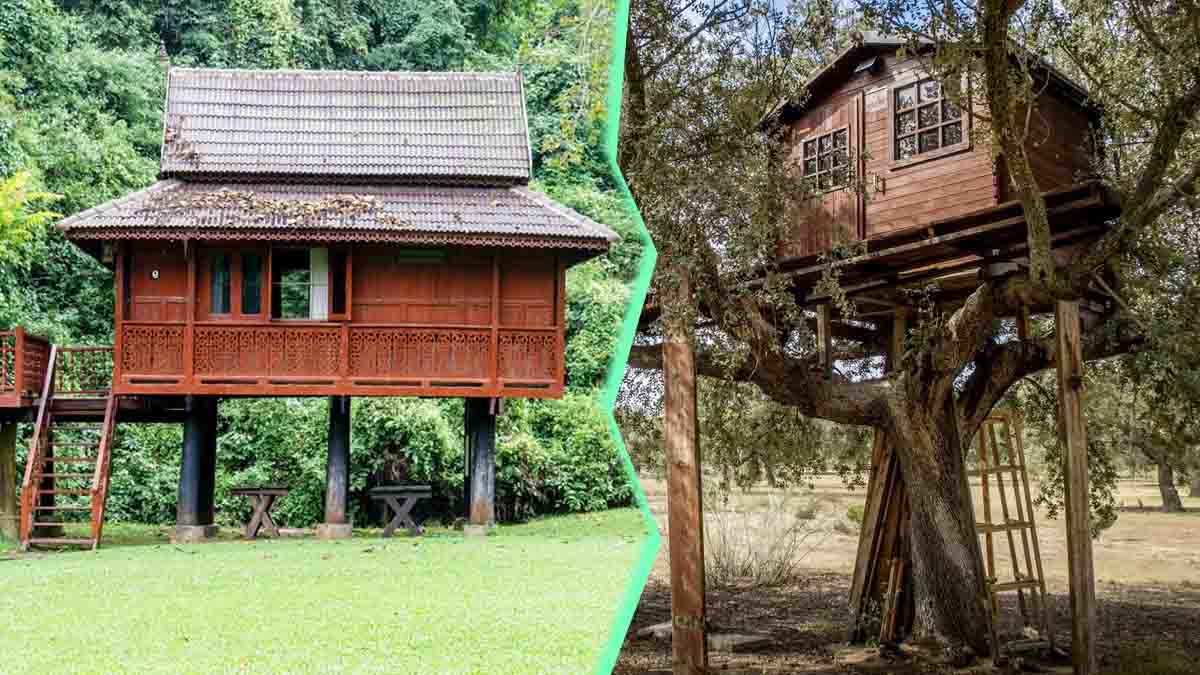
[949, 253]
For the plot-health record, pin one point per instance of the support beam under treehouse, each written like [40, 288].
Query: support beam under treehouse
[480, 421]
[197, 471]
[337, 523]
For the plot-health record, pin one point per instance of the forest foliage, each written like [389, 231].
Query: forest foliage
[81, 94]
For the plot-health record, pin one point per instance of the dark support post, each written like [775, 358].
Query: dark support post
[197, 471]
[685, 519]
[481, 465]
[1072, 432]
[337, 523]
[825, 338]
[10, 513]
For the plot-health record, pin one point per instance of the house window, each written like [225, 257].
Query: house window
[825, 159]
[300, 284]
[221, 282]
[252, 272]
[923, 121]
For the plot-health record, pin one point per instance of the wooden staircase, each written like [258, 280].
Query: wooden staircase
[66, 476]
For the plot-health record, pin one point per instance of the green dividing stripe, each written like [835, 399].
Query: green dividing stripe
[616, 367]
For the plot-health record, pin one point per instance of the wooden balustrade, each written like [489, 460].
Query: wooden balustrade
[313, 358]
[23, 360]
[83, 371]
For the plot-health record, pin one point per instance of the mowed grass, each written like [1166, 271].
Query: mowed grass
[533, 598]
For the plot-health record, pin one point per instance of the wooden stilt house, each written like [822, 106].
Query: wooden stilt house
[312, 233]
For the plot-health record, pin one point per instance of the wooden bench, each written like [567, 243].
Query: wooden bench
[262, 499]
[391, 495]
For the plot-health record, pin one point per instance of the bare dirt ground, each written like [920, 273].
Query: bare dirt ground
[1147, 583]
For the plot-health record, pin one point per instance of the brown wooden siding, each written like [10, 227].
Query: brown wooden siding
[164, 298]
[487, 323]
[1058, 144]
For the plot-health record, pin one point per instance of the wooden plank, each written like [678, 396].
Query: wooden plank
[689, 641]
[1073, 437]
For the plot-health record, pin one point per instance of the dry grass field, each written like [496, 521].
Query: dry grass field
[1147, 572]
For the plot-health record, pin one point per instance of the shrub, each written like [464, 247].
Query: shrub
[855, 513]
[759, 547]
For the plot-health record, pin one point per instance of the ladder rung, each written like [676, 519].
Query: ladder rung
[64, 475]
[61, 542]
[995, 469]
[1015, 585]
[61, 523]
[64, 492]
[65, 460]
[1002, 527]
[62, 508]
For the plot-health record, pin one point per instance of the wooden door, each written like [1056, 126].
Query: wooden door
[828, 153]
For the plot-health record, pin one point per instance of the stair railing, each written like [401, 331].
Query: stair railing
[100, 477]
[37, 448]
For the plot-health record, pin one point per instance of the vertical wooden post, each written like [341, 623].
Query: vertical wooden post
[689, 641]
[825, 338]
[337, 524]
[9, 512]
[1073, 437]
[189, 330]
[480, 420]
[197, 471]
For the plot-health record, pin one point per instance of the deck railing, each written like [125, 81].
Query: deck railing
[83, 371]
[23, 358]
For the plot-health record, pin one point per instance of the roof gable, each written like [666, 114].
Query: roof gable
[438, 127]
[870, 44]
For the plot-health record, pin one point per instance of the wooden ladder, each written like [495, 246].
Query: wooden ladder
[68, 487]
[1003, 430]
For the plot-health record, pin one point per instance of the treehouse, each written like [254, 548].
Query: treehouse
[318, 234]
[892, 186]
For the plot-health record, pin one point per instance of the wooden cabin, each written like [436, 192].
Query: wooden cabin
[311, 233]
[322, 233]
[875, 118]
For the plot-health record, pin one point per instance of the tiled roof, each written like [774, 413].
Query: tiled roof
[445, 127]
[352, 211]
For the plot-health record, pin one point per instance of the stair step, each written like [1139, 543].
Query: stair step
[62, 508]
[1015, 585]
[62, 522]
[64, 541]
[70, 459]
[64, 492]
[64, 475]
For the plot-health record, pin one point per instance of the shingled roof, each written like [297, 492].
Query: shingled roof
[421, 158]
[429, 126]
[432, 214]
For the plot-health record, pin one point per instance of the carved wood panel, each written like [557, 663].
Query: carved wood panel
[282, 351]
[528, 355]
[152, 350]
[419, 353]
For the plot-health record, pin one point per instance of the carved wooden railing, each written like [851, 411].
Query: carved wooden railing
[83, 371]
[23, 358]
[37, 449]
[334, 354]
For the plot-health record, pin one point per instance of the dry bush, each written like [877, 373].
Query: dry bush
[761, 546]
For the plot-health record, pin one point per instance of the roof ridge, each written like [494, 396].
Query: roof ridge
[339, 71]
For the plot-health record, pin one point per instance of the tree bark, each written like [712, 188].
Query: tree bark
[1171, 503]
[946, 567]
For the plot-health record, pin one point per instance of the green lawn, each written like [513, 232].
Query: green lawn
[533, 598]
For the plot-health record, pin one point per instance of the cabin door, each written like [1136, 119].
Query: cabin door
[831, 164]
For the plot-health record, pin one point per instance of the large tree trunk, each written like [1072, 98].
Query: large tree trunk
[945, 552]
[1171, 503]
